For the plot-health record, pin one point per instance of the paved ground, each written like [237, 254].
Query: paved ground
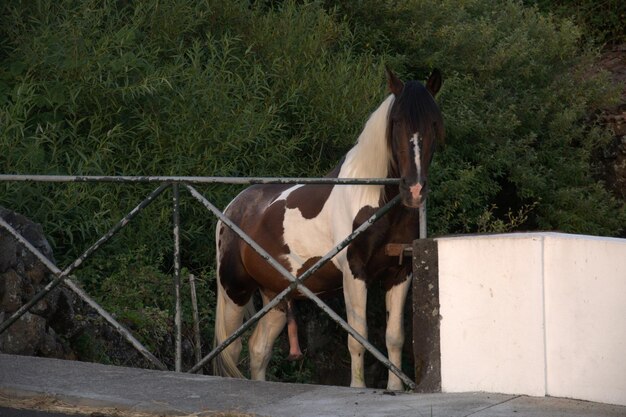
[169, 393]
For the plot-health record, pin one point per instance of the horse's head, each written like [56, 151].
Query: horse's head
[415, 126]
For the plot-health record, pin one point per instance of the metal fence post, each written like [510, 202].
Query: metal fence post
[422, 219]
[177, 308]
[197, 345]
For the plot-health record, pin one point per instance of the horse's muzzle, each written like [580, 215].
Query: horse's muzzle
[413, 196]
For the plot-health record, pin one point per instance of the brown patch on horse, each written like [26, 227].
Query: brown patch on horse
[326, 279]
[233, 270]
[309, 199]
[264, 231]
[360, 250]
[366, 254]
[233, 276]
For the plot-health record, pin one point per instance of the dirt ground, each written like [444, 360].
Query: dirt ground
[51, 404]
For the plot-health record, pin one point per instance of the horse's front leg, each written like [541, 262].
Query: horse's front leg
[355, 294]
[395, 299]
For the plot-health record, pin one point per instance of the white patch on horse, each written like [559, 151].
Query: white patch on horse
[308, 238]
[418, 156]
[369, 158]
[417, 188]
[285, 194]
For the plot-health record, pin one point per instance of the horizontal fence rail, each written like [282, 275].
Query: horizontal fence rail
[296, 283]
[199, 180]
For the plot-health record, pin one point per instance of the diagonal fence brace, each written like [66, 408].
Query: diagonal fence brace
[295, 283]
[63, 276]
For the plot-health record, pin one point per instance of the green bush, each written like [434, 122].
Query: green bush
[603, 20]
[187, 88]
[518, 100]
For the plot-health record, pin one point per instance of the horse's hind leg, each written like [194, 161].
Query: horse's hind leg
[263, 338]
[395, 299]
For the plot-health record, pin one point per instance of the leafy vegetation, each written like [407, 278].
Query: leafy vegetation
[233, 88]
[603, 21]
[516, 100]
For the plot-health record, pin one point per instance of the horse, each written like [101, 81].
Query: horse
[298, 224]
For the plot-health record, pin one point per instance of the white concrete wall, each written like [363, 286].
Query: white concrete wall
[535, 314]
[492, 319]
[585, 285]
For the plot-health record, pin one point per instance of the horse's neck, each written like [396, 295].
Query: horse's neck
[370, 157]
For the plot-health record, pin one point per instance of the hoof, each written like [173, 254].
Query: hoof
[295, 357]
[392, 388]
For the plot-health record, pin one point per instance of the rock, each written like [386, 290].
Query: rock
[43, 330]
[10, 291]
[7, 251]
[25, 336]
[15, 256]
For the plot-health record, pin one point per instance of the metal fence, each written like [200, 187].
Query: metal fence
[64, 276]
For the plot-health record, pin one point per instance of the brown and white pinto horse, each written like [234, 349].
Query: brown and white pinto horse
[298, 224]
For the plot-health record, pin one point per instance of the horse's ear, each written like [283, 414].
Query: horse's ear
[433, 84]
[394, 83]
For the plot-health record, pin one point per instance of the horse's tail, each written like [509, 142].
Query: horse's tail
[228, 317]
[225, 363]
